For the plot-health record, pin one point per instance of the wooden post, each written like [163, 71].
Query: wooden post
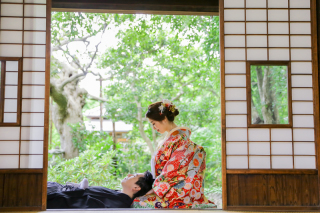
[114, 159]
[101, 117]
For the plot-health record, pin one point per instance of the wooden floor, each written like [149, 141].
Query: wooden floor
[143, 211]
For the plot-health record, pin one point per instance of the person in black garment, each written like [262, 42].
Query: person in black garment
[73, 196]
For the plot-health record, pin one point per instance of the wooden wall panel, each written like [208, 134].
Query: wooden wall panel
[131, 6]
[272, 190]
[1, 188]
[21, 190]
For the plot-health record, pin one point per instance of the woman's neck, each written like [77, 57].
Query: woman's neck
[171, 127]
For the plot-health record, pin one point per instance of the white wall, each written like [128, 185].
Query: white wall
[263, 30]
[23, 34]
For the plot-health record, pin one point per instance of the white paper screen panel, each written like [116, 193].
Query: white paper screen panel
[257, 41]
[256, 15]
[256, 28]
[259, 148]
[236, 94]
[31, 161]
[235, 67]
[234, 41]
[300, 41]
[300, 28]
[9, 161]
[237, 148]
[11, 9]
[234, 15]
[278, 28]
[236, 134]
[282, 162]
[235, 54]
[299, 15]
[9, 147]
[235, 81]
[236, 121]
[35, 24]
[33, 78]
[301, 80]
[11, 78]
[234, 28]
[35, 105]
[234, 3]
[257, 54]
[13, 1]
[279, 54]
[9, 117]
[7, 50]
[12, 66]
[281, 148]
[275, 30]
[36, 1]
[301, 67]
[278, 15]
[23, 34]
[302, 107]
[31, 147]
[304, 162]
[11, 23]
[259, 134]
[10, 105]
[279, 41]
[256, 3]
[299, 3]
[10, 37]
[277, 3]
[237, 162]
[259, 162]
[302, 94]
[236, 107]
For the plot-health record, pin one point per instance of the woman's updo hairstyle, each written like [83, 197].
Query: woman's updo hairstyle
[156, 114]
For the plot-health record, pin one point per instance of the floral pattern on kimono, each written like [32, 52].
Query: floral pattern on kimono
[180, 166]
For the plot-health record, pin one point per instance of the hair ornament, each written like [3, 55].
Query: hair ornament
[166, 104]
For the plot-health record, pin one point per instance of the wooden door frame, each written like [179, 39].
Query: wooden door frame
[201, 7]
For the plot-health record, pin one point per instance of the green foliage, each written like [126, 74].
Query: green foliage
[278, 79]
[92, 164]
[93, 140]
[133, 157]
[156, 57]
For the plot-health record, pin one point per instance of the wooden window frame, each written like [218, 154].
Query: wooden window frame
[3, 61]
[248, 73]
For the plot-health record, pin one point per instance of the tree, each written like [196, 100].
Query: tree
[68, 97]
[163, 57]
[269, 94]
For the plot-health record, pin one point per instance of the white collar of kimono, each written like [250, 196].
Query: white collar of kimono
[174, 129]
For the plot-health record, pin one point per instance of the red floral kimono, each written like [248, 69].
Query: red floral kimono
[179, 170]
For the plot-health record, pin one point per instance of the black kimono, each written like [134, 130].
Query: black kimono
[92, 197]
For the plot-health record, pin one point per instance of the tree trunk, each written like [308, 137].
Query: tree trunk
[270, 113]
[69, 100]
[141, 129]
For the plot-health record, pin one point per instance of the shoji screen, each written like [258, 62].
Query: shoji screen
[269, 166]
[25, 34]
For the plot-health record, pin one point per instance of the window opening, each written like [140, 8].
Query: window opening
[269, 94]
[138, 59]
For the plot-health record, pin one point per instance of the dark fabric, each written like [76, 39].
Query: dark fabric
[57, 187]
[92, 197]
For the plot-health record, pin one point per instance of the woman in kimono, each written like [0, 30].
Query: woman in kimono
[178, 164]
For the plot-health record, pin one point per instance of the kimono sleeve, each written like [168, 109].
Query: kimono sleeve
[175, 169]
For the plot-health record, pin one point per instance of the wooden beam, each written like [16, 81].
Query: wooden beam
[178, 7]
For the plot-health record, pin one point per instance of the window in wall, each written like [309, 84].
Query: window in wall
[269, 94]
[10, 91]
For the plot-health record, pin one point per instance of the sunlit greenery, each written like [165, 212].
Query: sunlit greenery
[156, 57]
[269, 93]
